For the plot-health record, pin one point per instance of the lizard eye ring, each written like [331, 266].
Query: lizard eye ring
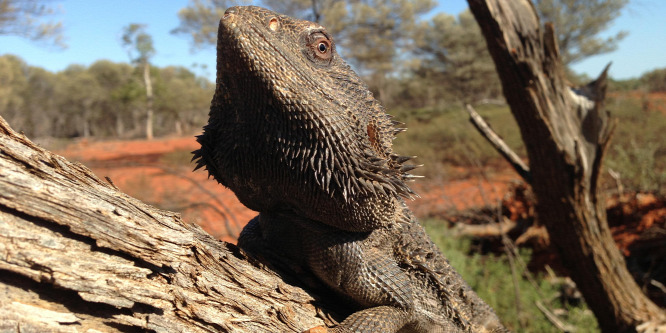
[321, 46]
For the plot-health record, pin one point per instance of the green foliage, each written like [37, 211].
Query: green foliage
[373, 33]
[655, 80]
[370, 33]
[638, 151]
[491, 277]
[139, 46]
[105, 99]
[638, 165]
[80, 92]
[444, 137]
[441, 59]
[180, 96]
[454, 58]
[310, 10]
[138, 42]
[199, 20]
[621, 85]
[12, 82]
[29, 19]
[578, 24]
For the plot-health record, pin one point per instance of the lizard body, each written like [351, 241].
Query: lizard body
[297, 135]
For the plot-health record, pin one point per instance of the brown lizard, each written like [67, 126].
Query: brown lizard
[297, 135]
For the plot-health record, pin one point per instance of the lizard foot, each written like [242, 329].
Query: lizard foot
[318, 329]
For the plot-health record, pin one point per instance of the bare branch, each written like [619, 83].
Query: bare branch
[485, 230]
[553, 318]
[499, 144]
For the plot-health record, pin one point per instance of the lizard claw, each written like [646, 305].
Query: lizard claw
[318, 329]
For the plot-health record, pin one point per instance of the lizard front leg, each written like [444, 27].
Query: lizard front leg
[368, 275]
[344, 261]
[378, 319]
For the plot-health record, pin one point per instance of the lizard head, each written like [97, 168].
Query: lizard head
[293, 127]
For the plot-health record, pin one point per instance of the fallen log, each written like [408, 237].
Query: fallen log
[78, 255]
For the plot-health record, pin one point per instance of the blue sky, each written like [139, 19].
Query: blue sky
[92, 29]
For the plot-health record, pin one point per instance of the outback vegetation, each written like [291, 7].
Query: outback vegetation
[103, 100]
[425, 67]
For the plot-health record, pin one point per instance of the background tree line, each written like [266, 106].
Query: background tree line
[105, 99]
[411, 58]
[108, 99]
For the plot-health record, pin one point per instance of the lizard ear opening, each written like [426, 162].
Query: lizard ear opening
[273, 24]
[372, 135]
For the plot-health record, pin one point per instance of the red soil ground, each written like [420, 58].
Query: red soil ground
[154, 172]
[139, 169]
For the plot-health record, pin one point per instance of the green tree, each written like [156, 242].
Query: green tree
[13, 82]
[78, 95]
[655, 80]
[88, 101]
[139, 45]
[305, 9]
[199, 21]
[188, 108]
[578, 24]
[454, 58]
[39, 102]
[121, 93]
[374, 35]
[27, 18]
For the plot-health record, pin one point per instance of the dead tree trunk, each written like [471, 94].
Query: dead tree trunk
[565, 145]
[77, 254]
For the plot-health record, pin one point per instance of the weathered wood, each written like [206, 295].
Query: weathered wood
[566, 141]
[78, 255]
[485, 230]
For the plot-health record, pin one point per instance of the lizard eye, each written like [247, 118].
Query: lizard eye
[321, 46]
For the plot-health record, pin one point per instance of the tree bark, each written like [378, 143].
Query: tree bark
[149, 100]
[565, 142]
[77, 255]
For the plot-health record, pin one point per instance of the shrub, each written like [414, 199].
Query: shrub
[491, 277]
